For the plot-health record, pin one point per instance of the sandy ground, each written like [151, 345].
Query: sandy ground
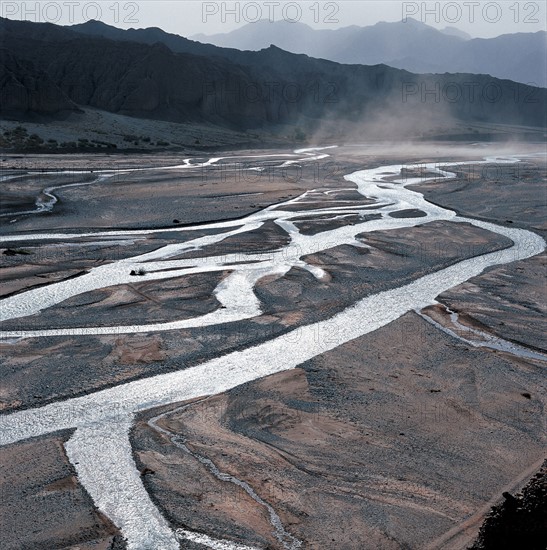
[103, 130]
[513, 194]
[44, 506]
[154, 199]
[98, 132]
[376, 444]
[372, 445]
[389, 441]
[41, 369]
[507, 301]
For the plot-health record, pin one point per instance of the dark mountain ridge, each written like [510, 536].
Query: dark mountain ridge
[244, 90]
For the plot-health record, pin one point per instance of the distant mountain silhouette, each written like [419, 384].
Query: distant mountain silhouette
[453, 31]
[240, 90]
[409, 45]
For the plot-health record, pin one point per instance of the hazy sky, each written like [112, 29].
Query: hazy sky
[477, 18]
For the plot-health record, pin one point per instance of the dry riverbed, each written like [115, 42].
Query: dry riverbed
[401, 438]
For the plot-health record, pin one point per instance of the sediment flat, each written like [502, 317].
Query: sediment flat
[392, 439]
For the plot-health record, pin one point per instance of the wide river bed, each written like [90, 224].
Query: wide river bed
[100, 448]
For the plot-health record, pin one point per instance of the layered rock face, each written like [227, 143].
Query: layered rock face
[24, 89]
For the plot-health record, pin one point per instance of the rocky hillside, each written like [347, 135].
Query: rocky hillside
[244, 90]
[25, 90]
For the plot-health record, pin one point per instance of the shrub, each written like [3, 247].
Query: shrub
[20, 131]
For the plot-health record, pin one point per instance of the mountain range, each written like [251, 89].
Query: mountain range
[50, 70]
[410, 45]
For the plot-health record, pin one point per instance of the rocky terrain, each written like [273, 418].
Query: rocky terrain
[519, 520]
[27, 89]
[234, 90]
